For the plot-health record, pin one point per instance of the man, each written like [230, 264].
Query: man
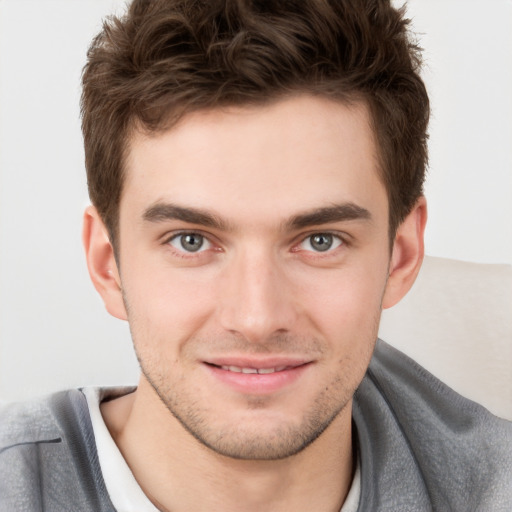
[256, 174]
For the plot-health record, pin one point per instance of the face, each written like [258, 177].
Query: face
[254, 256]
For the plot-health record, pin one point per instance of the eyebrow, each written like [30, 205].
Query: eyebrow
[325, 215]
[161, 212]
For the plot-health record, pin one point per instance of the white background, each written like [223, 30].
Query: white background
[54, 332]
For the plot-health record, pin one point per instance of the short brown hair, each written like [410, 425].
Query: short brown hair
[166, 58]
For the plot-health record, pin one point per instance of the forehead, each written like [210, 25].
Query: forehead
[303, 151]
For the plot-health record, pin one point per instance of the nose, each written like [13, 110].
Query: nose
[256, 300]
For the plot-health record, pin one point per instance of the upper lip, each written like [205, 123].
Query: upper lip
[258, 363]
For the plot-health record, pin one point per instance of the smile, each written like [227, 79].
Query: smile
[258, 377]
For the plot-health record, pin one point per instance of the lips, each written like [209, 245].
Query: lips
[260, 377]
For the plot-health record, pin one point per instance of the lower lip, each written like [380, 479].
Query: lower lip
[256, 383]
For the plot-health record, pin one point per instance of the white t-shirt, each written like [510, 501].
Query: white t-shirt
[124, 491]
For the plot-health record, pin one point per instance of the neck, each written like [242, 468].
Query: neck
[177, 472]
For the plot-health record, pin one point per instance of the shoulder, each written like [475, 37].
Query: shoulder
[48, 457]
[450, 449]
[25, 423]
[417, 397]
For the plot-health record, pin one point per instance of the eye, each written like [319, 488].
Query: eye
[320, 242]
[190, 242]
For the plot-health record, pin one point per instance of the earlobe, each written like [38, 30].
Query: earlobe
[407, 256]
[102, 264]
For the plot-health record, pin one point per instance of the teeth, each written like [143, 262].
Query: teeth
[237, 369]
[266, 370]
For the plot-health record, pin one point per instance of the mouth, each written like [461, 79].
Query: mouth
[249, 370]
[258, 377]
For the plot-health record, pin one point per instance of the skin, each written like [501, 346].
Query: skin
[251, 188]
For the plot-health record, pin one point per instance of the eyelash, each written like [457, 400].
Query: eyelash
[184, 253]
[180, 235]
[321, 254]
[296, 247]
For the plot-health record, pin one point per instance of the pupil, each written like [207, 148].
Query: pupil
[321, 242]
[192, 242]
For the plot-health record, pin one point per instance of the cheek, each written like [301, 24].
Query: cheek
[164, 303]
[348, 320]
[346, 305]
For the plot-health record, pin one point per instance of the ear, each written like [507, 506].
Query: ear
[407, 255]
[102, 264]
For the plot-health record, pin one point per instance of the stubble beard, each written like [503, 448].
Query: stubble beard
[244, 442]
[237, 442]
